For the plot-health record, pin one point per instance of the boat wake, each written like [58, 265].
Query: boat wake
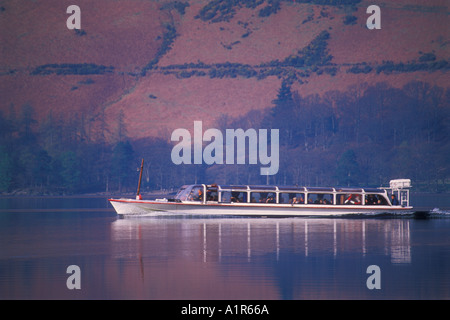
[440, 213]
[415, 214]
[420, 214]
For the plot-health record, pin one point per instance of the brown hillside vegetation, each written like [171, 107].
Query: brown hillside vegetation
[138, 54]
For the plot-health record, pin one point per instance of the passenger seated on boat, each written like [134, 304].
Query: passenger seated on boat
[381, 200]
[394, 200]
[213, 198]
[198, 196]
[270, 199]
[238, 196]
[374, 199]
[296, 200]
[319, 199]
[370, 199]
[212, 194]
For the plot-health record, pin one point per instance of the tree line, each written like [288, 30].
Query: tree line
[62, 154]
[366, 135]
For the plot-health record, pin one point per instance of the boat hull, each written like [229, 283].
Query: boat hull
[131, 207]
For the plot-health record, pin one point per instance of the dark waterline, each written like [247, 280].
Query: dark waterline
[298, 258]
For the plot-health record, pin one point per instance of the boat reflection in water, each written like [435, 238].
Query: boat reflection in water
[288, 258]
[215, 238]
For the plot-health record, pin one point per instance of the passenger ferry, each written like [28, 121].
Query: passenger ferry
[272, 201]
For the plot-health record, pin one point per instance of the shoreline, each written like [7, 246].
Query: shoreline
[86, 195]
[422, 201]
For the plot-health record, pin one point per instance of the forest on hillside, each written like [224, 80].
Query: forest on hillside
[364, 136]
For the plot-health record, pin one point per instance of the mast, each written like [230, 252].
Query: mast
[138, 194]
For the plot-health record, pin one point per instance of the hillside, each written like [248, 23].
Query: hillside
[80, 107]
[179, 86]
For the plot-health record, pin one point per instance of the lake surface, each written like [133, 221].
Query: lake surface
[209, 259]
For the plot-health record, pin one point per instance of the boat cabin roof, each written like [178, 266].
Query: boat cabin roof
[293, 189]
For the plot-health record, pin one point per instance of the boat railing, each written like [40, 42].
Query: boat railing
[296, 195]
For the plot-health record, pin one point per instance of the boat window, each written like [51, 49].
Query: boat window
[238, 196]
[348, 198]
[225, 196]
[291, 198]
[375, 199]
[233, 196]
[263, 197]
[196, 194]
[320, 198]
[212, 194]
[183, 193]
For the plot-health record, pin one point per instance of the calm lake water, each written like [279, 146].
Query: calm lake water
[208, 259]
